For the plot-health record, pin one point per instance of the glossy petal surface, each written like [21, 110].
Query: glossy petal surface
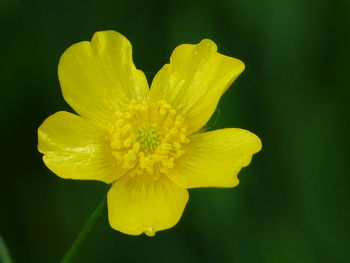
[213, 159]
[143, 205]
[74, 149]
[98, 77]
[194, 81]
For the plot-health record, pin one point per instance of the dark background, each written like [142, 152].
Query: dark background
[292, 204]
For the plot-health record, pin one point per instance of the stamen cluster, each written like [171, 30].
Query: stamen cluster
[146, 137]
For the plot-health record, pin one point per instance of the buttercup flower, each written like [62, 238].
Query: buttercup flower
[148, 143]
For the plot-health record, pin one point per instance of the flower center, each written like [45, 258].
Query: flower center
[147, 137]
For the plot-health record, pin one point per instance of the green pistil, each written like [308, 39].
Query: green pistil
[148, 138]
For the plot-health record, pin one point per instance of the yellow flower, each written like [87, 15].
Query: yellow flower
[147, 143]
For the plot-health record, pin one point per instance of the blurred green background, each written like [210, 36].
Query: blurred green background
[292, 204]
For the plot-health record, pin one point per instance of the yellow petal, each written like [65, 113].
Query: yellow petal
[194, 81]
[213, 159]
[74, 149]
[98, 77]
[143, 205]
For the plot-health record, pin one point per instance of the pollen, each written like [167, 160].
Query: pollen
[147, 137]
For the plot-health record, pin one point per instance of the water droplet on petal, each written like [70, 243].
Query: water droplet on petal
[149, 231]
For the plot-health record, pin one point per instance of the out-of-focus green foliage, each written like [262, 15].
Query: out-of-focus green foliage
[292, 204]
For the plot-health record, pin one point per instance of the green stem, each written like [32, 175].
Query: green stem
[4, 253]
[85, 232]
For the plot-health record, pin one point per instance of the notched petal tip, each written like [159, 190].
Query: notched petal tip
[98, 42]
[207, 44]
[211, 47]
[101, 39]
[195, 79]
[98, 77]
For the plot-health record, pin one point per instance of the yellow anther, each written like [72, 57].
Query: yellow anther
[127, 142]
[164, 149]
[165, 106]
[161, 102]
[130, 156]
[176, 145]
[118, 114]
[125, 129]
[169, 163]
[172, 112]
[174, 131]
[136, 147]
[119, 123]
[116, 144]
[110, 128]
[128, 115]
[142, 107]
[184, 139]
[130, 107]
